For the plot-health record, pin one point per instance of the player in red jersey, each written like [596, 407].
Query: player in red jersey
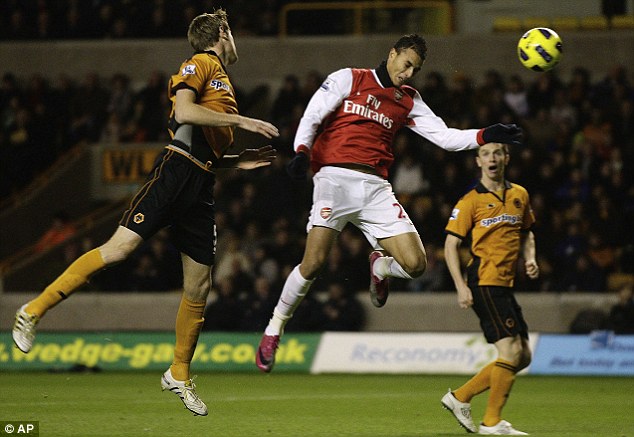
[359, 112]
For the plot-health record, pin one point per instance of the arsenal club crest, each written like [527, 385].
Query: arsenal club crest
[398, 94]
[325, 213]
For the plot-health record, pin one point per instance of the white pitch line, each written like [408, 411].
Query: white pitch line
[212, 399]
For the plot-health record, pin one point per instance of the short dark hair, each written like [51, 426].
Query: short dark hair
[204, 30]
[412, 41]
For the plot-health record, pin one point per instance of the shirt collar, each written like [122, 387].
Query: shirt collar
[212, 53]
[384, 76]
[480, 188]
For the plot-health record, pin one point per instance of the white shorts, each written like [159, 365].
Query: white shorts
[343, 196]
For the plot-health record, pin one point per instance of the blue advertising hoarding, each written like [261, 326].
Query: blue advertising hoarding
[600, 353]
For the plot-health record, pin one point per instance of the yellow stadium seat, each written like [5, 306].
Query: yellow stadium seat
[594, 22]
[565, 23]
[507, 24]
[622, 22]
[531, 22]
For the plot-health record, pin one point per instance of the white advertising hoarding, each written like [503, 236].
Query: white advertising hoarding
[450, 353]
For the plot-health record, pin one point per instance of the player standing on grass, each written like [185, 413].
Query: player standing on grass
[359, 112]
[178, 193]
[497, 216]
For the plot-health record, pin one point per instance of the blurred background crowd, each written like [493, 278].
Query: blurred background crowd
[119, 19]
[576, 163]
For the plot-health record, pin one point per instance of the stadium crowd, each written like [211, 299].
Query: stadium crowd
[576, 162]
[119, 19]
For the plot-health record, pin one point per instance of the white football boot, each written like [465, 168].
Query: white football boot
[501, 428]
[24, 329]
[186, 390]
[460, 410]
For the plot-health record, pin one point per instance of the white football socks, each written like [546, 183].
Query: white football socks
[294, 290]
[386, 266]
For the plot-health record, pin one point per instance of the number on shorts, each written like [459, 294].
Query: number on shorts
[401, 213]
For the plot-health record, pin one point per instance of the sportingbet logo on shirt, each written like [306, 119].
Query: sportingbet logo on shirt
[189, 69]
[218, 84]
[504, 218]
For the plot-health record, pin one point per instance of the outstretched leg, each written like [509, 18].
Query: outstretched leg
[318, 245]
[116, 249]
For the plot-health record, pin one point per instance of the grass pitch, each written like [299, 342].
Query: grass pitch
[131, 404]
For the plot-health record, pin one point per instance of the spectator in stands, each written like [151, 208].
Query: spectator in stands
[461, 100]
[258, 307]
[89, 109]
[60, 230]
[76, 23]
[234, 264]
[145, 275]
[583, 276]
[342, 311]
[621, 317]
[541, 92]
[153, 103]
[515, 96]
[287, 98]
[226, 312]
[408, 176]
[120, 96]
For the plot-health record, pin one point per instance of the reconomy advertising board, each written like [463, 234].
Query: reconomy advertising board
[403, 353]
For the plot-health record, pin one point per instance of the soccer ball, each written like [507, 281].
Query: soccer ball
[539, 49]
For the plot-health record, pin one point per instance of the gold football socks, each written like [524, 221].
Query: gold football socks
[476, 385]
[189, 322]
[502, 378]
[76, 275]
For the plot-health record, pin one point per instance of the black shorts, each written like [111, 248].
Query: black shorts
[499, 313]
[179, 194]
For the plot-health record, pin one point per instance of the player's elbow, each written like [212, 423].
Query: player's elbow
[181, 116]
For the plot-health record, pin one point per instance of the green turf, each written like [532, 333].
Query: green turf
[131, 404]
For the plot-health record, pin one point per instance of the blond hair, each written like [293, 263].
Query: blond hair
[204, 30]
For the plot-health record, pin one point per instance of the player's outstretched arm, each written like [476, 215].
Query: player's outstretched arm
[501, 133]
[187, 111]
[249, 159]
[258, 126]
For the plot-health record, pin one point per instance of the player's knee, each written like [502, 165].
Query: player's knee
[119, 246]
[310, 267]
[415, 266]
[515, 353]
[196, 288]
[115, 253]
[524, 359]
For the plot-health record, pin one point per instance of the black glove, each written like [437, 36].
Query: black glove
[298, 166]
[501, 133]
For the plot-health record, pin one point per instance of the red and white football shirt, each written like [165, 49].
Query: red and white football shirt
[359, 118]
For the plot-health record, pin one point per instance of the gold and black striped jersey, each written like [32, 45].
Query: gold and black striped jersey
[493, 221]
